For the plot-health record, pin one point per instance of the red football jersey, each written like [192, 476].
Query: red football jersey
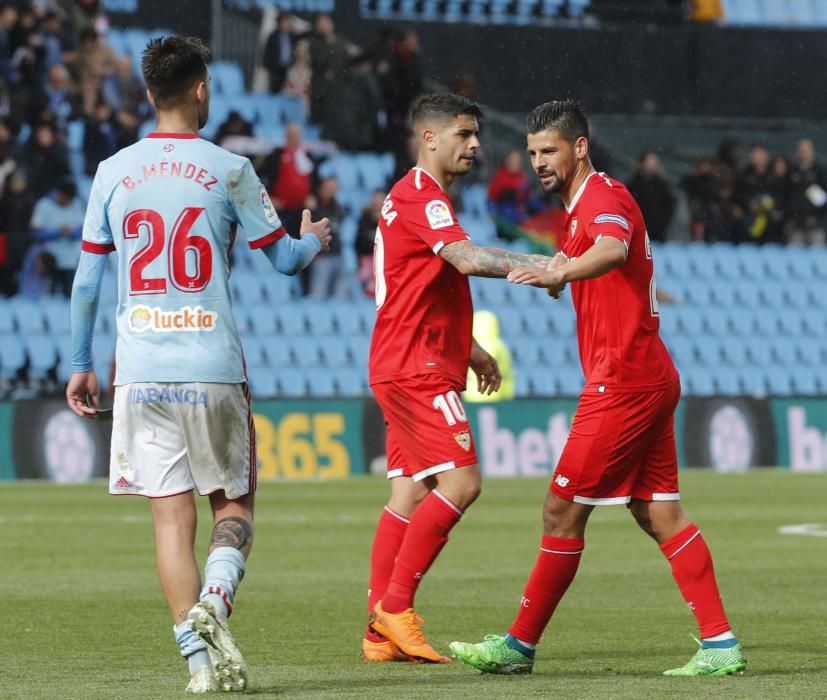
[424, 310]
[617, 313]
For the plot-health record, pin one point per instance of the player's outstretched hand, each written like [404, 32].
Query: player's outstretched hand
[83, 393]
[487, 370]
[320, 229]
[552, 279]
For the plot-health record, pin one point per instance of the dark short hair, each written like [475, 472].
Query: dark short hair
[442, 107]
[171, 65]
[566, 116]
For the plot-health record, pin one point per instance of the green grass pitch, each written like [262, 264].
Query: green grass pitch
[81, 612]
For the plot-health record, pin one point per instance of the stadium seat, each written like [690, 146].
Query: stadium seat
[766, 322]
[307, 352]
[804, 382]
[335, 351]
[709, 350]
[542, 382]
[796, 295]
[292, 384]
[349, 320]
[563, 322]
[810, 351]
[726, 381]
[741, 322]
[779, 382]
[321, 317]
[359, 347]
[228, 80]
[716, 321]
[254, 355]
[577, 8]
[784, 351]
[735, 351]
[522, 384]
[263, 318]
[760, 351]
[536, 322]
[791, 322]
[682, 349]
[351, 382]
[41, 353]
[701, 382]
[753, 381]
[28, 315]
[6, 318]
[292, 319]
[527, 351]
[555, 352]
[691, 320]
[247, 287]
[12, 357]
[263, 382]
[802, 12]
[279, 288]
[570, 381]
[321, 383]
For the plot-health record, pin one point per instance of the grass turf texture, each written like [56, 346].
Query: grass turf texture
[82, 615]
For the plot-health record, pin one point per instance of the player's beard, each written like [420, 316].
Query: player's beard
[553, 186]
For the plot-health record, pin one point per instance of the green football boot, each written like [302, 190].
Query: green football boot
[492, 655]
[712, 661]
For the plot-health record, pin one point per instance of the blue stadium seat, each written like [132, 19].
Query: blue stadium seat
[570, 381]
[527, 350]
[741, 321]
[28, 315]
[321, 317]
[6, 318]
[307, 352]
[802, 12]
[291, 383]
[760, 351]
[735, 351]
[42, 354]
[335, 351]
[766, 322]
[263, 318]
[321, 383]
[791, 322]
[292, 319]
[74, 135]
[726, 382]
[247, 287]
[724, 292]
[254, 355]
[753, 381]
[563, 322]
[536, 322]
[555, 352]
[796, 295]
[784, 351]
[371, 171]
[716, 321]
[263, 382]
[351, 382]
[542, 382]
[810, 351]
[709, 350]
[577, 8]
[669, 326]
[349, 320]
[682, 349]
[522, 384]
[278, 351]
[228, 80]
[367, 311]
[511, 324]
[12, 357]
[279, 288]
[747, 294]
[691, 320]
[701, 382]
[359, 347]
[805, 381]
[779, 381]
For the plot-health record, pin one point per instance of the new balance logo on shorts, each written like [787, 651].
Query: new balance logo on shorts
[561, 481]
[463, 440]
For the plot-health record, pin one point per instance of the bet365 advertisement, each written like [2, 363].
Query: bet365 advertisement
[319, 440]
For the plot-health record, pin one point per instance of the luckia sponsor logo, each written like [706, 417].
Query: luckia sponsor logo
[144, 318]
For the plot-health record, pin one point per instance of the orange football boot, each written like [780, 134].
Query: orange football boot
[403, 630]
[382, 651]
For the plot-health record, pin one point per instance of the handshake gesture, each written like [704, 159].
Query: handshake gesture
[551, 278]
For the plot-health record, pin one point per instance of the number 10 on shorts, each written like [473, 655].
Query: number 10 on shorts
[451, 406]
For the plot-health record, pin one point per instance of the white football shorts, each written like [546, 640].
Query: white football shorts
[171, 438]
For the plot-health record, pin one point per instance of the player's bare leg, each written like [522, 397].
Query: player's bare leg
[175, 519]
[230, 544]
[406, 495]
[564, 527]
[394, 616]
[683, 545]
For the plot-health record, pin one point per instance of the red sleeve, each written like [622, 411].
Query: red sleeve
[432, 218]
[610, 215]
[268, 238]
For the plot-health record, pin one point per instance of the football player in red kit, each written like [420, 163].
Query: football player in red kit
[419, 357]
[621, 449]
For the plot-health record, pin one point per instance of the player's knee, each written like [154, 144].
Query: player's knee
[560, 519]
[640, 512]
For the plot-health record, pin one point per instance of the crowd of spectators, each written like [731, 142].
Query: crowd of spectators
[768, 199]
[56, 69]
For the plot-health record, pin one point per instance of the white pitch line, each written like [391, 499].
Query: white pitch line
[806, 529]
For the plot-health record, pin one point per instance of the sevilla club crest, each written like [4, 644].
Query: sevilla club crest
[463, 440]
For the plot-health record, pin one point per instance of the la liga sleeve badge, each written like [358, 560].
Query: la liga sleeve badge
[438, 214]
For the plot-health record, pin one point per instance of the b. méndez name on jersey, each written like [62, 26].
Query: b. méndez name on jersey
[424, 311]
[170, 205]
[617, 313]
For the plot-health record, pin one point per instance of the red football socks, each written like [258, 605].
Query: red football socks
[692, 568]
[425, 538]
[390, 531]
[548, 582]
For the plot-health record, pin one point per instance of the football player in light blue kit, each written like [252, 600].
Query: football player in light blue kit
[170, 205]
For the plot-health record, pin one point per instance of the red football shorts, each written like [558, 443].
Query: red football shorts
[621, 447]
[427, 428]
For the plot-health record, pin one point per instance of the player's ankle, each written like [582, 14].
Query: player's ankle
[524, 648]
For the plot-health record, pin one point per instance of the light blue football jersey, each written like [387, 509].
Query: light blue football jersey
[170, 205]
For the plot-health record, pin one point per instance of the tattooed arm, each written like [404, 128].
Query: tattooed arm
[470, 259]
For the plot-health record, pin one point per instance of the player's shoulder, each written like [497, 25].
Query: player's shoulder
[604, 191]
